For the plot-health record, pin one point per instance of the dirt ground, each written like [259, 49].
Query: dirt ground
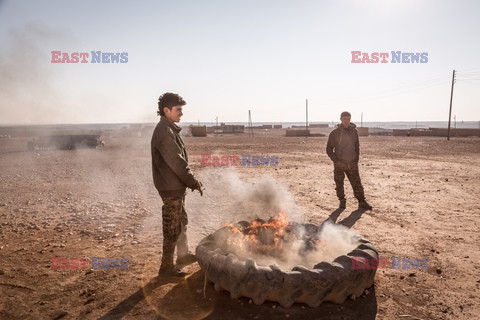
[88, 203]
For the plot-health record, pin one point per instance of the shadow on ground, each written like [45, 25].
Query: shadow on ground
[192, 298]
[348, 221]
[186, 299]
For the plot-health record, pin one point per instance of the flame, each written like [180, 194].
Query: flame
[261, 236]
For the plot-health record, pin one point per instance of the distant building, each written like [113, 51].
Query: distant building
[232, 128]
[198, 131]
[318, 125]
[226, 128]
[437, 132]
[362, 131]
[297, 133]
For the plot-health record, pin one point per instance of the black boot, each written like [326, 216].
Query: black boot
[364, 205]
[171, 271]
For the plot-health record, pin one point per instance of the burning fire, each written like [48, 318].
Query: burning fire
[286, 244]
[265, 237]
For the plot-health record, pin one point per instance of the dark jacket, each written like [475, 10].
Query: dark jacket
[171, 173]
[343, 144]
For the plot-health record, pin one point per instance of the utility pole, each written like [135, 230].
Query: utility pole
[450, 112]
[250, 129]
[306, 117]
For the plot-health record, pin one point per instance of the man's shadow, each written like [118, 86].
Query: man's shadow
[193, 298]
[124, 307]
[348, 221]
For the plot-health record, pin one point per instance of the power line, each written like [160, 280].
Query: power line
[469, 78]
[383, 95]
[400, 88]
[469, 70]
[250, 125]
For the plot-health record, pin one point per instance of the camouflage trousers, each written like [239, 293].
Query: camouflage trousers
[174, 220]
[350, 169]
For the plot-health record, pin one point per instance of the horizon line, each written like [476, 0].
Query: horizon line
[211, 122]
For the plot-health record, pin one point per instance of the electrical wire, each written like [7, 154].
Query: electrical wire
[407, 87]
[399, 90]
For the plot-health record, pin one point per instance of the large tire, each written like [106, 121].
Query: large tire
[333, 282]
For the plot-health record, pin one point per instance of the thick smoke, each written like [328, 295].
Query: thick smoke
[294, 249]
[257, 196]
[186, 131]
[27, 90]
[229, 199]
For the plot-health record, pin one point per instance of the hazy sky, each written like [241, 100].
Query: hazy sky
[226, 57]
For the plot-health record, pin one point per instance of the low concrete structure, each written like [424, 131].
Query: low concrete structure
[464, 132]
[318, 125]
[232, 128]
[362, 131]
[297, 133]
[437, 132]
[198, 131]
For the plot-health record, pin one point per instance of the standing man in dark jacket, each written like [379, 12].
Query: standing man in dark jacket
[343, 148]
[172, 176]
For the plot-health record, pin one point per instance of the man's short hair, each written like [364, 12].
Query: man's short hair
[345, 114]
[169, 100]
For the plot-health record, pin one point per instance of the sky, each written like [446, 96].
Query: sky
[225, 57]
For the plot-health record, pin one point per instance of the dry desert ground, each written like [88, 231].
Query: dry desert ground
[84, 203]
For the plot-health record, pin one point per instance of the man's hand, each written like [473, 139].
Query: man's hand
[200, 188]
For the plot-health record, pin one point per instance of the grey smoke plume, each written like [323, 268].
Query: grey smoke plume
[27, 91]
[332, 241]
[245, 199]
[186, 131]
[228, 199]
